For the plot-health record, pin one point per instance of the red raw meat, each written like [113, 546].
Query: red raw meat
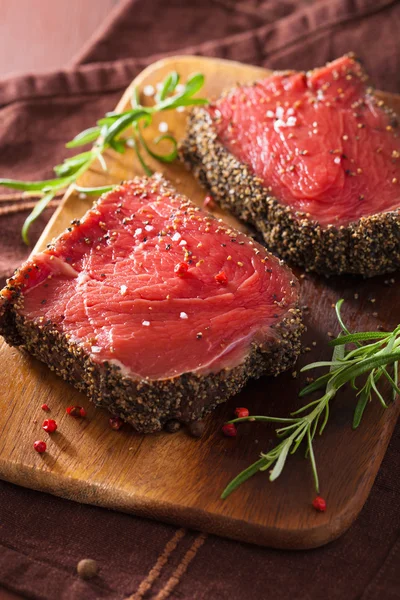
[318, 140]
[109, 285]
[312, 160]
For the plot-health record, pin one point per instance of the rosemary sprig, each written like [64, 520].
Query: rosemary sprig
[373, 353]
[109, 132]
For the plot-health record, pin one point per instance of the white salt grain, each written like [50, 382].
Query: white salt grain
[149, 90]
[183, 315]
[123, 290]
[96, 349]
[149, 228]
[279, 123]
[146, 323]
[177, 236]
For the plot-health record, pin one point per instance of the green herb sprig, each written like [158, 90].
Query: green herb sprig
[109, 132]
[370, 359]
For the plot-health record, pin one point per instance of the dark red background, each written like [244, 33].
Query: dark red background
[41, 537]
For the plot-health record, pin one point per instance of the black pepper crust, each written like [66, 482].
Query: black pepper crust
[368, 247]
[148, 405]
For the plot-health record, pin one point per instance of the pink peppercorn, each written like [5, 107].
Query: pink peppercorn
[49, 425]
[40, 446]
[319, 504]
[241, 412]
[76, 411]
[229, 430]
[181, 269]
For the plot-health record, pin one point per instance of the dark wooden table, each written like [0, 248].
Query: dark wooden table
[41, 35]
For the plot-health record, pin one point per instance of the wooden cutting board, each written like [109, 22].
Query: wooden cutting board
[177, 478]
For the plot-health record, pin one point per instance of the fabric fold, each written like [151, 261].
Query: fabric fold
[42, 537]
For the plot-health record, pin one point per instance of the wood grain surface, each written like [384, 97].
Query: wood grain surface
[177, 478]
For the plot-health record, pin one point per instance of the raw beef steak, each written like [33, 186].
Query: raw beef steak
[312, 161]
[153, 308]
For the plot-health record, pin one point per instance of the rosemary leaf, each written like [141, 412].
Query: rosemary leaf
[84, 137]
[377, 392]
[168, 86]
[280, 463]
[145, 167]
[346, 366]
[360, 407]
[242, 477]
[71, 165]
[322, 363]
[358, 337]
[122, 123]
[167, 158]
[37, 211]
[354, 371]
[263, 418]
[314, 386]
[171, 104]
[312, 460]
[35, 186]
[107, 133]
[194, 84]
[93, 191]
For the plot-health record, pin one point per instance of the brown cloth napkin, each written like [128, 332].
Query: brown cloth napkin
[42, 537]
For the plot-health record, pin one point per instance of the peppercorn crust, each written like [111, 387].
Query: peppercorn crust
[368, 247]
[148, 404]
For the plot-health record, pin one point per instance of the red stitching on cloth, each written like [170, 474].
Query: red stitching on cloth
[23, 206]
[181, 569]
[16, 196]
[161, 561]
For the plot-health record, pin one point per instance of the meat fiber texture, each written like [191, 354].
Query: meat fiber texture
[312, 160]
[153, 307]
